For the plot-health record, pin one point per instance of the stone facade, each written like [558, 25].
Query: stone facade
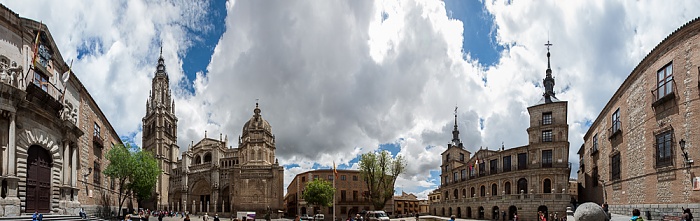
[212, 177]
[54, 135]
[349, 196]
[522, 180]
[632, 156]
[404, 205]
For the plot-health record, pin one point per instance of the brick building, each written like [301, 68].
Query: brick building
[349, 196]
[522, 180]
[54, 136]
[404, 205]
[639, 151]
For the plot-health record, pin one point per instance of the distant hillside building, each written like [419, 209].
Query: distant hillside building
[522, 180]
[640, 150]
[53, 136]
[350, 195]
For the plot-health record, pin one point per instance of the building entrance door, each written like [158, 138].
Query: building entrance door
[38, 180]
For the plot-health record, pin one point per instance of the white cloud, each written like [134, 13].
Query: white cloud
[335, 78]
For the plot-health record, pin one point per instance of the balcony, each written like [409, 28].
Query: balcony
[615, 129]
[96, 139]
[200, 167]
[663, 93]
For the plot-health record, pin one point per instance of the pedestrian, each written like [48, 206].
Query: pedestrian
[452, 218]
[503, 215]
[555, 217]
[82, 213]
[636, 215]
[205, 217]
[41, 217]
[35, 216]
[687, 215]
[216, 217]
[417, 217]
[187, 217]
[515, 216]
[127, 217]
[160, 217]
[606, 209]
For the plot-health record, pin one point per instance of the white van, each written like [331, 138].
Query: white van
[376, 216]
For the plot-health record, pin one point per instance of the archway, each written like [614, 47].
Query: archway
[512, 210]
[207, 158]
[494, 190]
[469, 212]
[495, 212]
[225, 199]
[450, 213]
[459, 212]
[547, 186]
[544, 211]
[481, 212]
[483, 191]
[197, 160]
[201, 194]
[507, 188]
[39, 165]
[522, 185]
[443, 211]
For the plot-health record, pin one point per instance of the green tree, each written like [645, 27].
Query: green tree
[318, 193]
[136, 172]
[379, 170]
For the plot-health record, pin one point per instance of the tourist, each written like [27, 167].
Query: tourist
[205, 217]
[127, 217]
[607, 211]
[187, 217]
[82, 213]
[216, 217]
[687, 215]
[452, 218]
[515, 216]
[636, 215]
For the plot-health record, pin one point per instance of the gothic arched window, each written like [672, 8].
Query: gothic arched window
[207, 158]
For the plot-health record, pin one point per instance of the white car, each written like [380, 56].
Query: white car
[318, 217]
[377, 216]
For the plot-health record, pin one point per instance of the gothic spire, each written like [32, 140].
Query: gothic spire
[455, 131]
[548, 80]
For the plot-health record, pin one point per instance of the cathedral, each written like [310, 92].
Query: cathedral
[211, 176]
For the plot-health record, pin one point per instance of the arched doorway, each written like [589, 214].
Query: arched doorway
[511, 212]
[547, 186]
[507, 188]
[543, 209]
[443, 211]
[459, 212]
[481, 212]
[469, 212]
[450, 213]
[225, 199]
[495, 213]
[39, 164]
[200, 193]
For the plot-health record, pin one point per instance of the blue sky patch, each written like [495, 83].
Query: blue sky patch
[199, 55]
[479, 38]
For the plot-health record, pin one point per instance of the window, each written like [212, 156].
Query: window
[506, 164]
[664, 149]
[96, 172]
[330, 177]
[455, 177]
[616, 120]
[664, 79]
[354, 195]
[342, 196]
[207, 158]
[522, 161]
[507, 187]
[464, 174]
[547, 158]
[482, 169]
[615, 167]
[315, 177]
[547, 136]
[41, 81]
[461, 157]
[473, 192]
[493, 168]
[342, 177]
[303, 179]
[96, 132]
[111, 184]
[547, 186]
[354, 178]
[594, 176]
[447, 158]
[595, 144]
[483, 191]
[547, 118]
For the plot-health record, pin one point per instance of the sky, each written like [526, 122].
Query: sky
[336, 79]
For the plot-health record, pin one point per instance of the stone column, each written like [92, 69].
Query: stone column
[12, 149]
[66, 157]
[74, 167]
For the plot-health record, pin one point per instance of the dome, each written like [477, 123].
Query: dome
[256, 122]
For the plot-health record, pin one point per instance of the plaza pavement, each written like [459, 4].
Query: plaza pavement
[615, 217]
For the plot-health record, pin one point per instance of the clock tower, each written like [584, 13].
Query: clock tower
[160, 133]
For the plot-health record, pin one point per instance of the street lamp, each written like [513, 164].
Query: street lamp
[686, 158]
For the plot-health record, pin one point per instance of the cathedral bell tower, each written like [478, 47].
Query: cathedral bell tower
[160, 132]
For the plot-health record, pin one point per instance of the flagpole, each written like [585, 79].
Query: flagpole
[335, 177]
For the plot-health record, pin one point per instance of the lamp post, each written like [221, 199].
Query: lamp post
[686, 158]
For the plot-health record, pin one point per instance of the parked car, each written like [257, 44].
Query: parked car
[318, 217]
[376, 216]
[306, 217]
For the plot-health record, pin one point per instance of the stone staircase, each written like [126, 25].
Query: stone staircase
[25, 217]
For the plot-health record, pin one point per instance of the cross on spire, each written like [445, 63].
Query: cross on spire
[548, 45]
